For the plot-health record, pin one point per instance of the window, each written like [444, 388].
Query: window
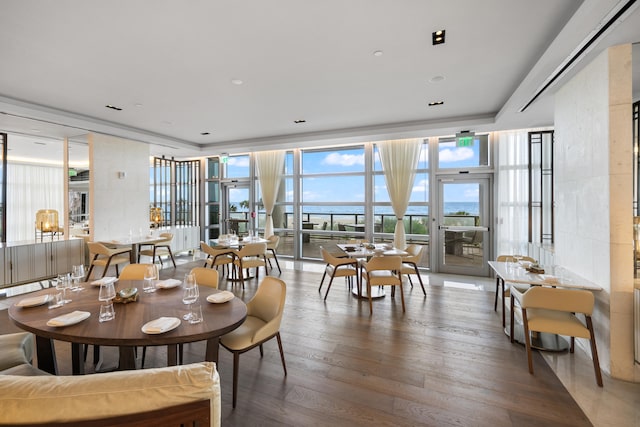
[463, 152]
[175, 190]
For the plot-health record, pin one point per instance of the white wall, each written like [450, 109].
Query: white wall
[593, 194]
[118, 205]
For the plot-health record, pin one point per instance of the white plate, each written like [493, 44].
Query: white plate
[220, 297]
[168, 283]
[34, 301]
[69, 319]
[104, 280]
[161, 325]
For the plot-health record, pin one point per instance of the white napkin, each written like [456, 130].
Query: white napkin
[104, 280]
[69, 318]
[159, 325]
[220, 297]
[33, 301]
[168, 283]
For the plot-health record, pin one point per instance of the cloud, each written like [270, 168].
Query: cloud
[338, 159]
[242, 161]
[457, 154]
[421, 186]
[472, 193]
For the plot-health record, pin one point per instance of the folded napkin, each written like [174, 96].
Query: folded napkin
[34, 301]
[69, 318]
[161, 324]
[168, 283]
[220, 297]
[104, 281]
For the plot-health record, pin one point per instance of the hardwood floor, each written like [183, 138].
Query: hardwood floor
[445, 362]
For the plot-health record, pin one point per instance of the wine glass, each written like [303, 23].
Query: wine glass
[62, 284]
[150, 274]
[77, 273]
[190, 293]
[107, 292]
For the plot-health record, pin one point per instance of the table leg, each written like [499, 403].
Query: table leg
[46, 354]
[127, 358]
[172, 354]
[211, 354]
[77, 358]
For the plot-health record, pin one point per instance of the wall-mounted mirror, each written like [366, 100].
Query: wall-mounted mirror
[78, 171]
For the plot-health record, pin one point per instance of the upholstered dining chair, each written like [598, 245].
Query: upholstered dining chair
[206, 276]
[252, 255]
[554, 310]
[410, 263]
[501, 287]
[264, 314]
[337, 267]
[133, 271]
[272, 247]
[159, 249]
[383, 271]
[105, 257]
[217, 257]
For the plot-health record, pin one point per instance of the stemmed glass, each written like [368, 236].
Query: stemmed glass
[77, 273]
[150, 274]
[107, 293]
[62, 284]
[190, 293]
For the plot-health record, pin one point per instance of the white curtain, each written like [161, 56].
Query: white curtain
[29, 189]
[270, 167]
[399, 160]
[512, 233]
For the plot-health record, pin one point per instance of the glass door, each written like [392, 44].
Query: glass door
[236, 205]
[463, 225]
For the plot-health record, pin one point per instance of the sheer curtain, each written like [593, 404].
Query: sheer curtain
[399, 160]
[512, 234]
[269, 165]
[29, 189]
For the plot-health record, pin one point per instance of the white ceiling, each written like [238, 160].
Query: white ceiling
[169, 65]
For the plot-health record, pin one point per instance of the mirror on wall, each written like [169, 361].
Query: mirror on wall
[78, 172]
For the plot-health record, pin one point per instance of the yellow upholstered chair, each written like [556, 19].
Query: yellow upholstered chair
[501, 287]
[553, 310]
[264, 314]
[206, 276]
[105, 257]
[159, 249]
[337, 267]
[410, 263]
[383, 271]
[272, 247]
[252, 255]
[217, 257]
[134, 271]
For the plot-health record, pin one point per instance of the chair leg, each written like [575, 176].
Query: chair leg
[402, 296]
[420, 280]
[512, 304]
[527, 340]
[370, 299]
[495, 303]
[236, 362]
[328, 287]
[173, 260]
[502, 300]
[275, 257]
[284, 365]
[594, 352]
[322, 280]
[106, 267]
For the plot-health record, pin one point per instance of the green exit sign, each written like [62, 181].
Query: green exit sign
[465, 141]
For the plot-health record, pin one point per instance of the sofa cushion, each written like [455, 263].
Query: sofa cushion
[41, 399]
[25, 370]
[15, 349]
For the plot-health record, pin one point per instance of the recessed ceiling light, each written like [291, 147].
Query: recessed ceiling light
[378, 53]
[300, 121]
[437, 37]
[237, 82]
[204, 133]
[431, 104]
[113, 107]
[436, 79]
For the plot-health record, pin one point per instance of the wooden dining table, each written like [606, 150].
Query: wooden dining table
[125, 331]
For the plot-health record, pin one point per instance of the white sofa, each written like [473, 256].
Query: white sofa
[151, 395]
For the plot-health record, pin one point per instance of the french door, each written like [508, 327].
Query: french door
[464, 209]
[236, 207]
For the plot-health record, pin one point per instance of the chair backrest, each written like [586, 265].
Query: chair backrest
[168, 237]
[415, 253]
[206, 276]
[393, 263]
[341, 227]
[133, 271]
[211, 251]
[98, 248]
[274, 241]
[568, 300]
[328, 257]
[324, 225]
[268, 304]
[252, 249]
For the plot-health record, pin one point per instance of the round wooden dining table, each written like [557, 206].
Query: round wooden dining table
[125, 330]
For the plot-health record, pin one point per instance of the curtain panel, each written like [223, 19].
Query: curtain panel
[270, 167]
[399, 160]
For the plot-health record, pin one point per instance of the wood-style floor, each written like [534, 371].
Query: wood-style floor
[445, 362]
